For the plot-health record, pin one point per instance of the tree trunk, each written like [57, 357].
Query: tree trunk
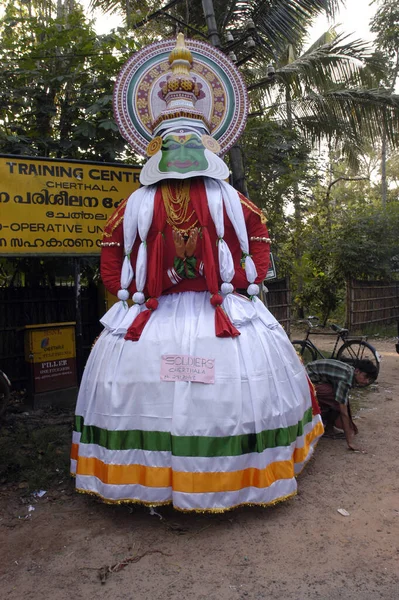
[298, 250]
[236, 161]
[384, 171]
[237, 170]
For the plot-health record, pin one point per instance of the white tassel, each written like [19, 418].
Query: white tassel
[239, 309]
[127, 272]
[123, 295]
[114, 316]
[227, 288]
[138, 298]
[235, 213]
[145, 216]
[250, 269]
[226, 263]
[253, 289]
[127, 320]
[141, 267]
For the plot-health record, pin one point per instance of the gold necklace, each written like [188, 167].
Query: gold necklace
[177, 206]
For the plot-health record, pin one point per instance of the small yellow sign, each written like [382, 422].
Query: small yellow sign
[58, 206]
[47, 343]
[50, 349]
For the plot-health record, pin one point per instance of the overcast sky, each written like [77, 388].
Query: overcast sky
[355, 18]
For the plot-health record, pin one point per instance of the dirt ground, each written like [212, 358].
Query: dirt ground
[72, 546]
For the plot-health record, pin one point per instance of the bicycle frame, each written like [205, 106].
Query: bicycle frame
[347, 348]
[342, 335]
[338, 335]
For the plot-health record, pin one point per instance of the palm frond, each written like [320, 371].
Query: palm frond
[279, 22]
[143, 8]
[354, 114]
[330, 64]
[327, 65]
[326, 38]
[352, 152]
[107, 6]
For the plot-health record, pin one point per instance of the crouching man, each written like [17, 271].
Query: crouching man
[333, 381]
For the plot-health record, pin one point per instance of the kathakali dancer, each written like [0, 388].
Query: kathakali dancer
[193, 394]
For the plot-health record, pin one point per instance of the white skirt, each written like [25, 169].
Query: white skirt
[200, 446]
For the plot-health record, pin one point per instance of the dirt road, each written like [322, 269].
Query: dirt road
[73, 547]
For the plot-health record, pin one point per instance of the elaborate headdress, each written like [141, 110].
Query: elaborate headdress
[181, 105]
[174, 98]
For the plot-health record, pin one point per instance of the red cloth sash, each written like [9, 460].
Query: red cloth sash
[223, 325]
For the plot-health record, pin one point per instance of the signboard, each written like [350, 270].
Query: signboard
[271, 272]
[58, 206]
[51, 351]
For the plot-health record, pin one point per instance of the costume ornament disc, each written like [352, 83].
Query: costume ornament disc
[138, 99]
[154, 146]
[210, 143]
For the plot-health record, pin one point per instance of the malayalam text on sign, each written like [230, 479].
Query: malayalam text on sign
[58, 206]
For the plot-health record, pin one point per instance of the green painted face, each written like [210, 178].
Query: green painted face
[182, 153]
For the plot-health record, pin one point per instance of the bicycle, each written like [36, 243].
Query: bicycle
[351, 349]
[5, 390]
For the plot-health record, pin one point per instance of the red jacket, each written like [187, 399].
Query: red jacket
[259, 247]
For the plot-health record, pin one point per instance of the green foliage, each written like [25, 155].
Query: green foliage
[385, 25]
[56, 86]
[361, 242]
[323, 283]
[345, 233]
[367, 243]
[280, 173]
[393, 174]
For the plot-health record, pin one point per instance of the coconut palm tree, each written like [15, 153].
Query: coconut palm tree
[329, 91]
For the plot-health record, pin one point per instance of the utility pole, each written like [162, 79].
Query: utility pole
[384, 170]
[237, 165]
[209, 14]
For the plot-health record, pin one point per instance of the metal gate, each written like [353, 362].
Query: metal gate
[21, 306]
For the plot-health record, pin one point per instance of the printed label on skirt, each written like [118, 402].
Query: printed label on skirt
[181, 367]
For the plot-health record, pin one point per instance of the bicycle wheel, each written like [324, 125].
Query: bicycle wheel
[4, 393]
[305, 350]
[359, 350]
